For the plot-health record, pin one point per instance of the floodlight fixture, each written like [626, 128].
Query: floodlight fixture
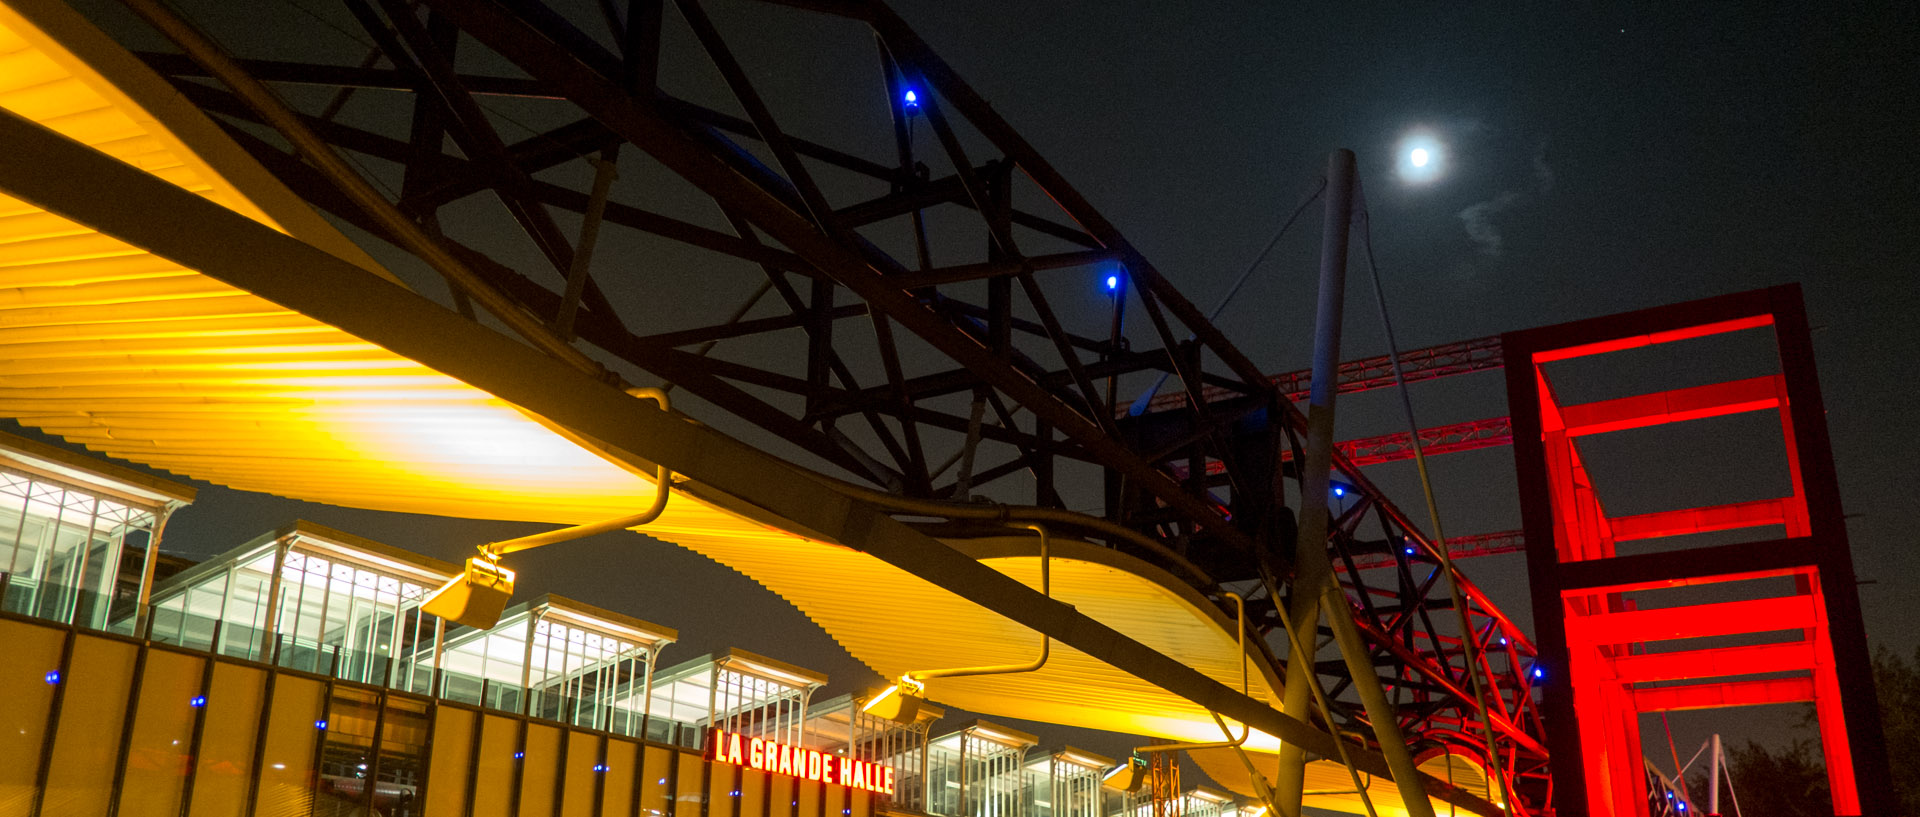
[899, 702]
[480, 593]
[1127, 777]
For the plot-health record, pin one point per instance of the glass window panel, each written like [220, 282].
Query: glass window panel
[346, 756]
[246, 614]
[102, 567]
[452, 750]
[226, 746]
[64, 548]
[32, 651]
[287, 773]
[80, 778]
[169, 616]
[159, 754]
[403, 740]
[21, 551]
[204, 601]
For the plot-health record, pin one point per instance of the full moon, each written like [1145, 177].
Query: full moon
[1422, 157]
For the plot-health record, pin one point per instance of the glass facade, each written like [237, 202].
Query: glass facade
[297, 675]
[979, 771]
[309, 598]
[840, 727]
[1066, 783]
[737, 691]
[99, 723]
[557, 659]
[73, 532]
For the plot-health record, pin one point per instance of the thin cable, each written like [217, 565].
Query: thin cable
[1469, 640]
[1696, 755]
[1140, 403]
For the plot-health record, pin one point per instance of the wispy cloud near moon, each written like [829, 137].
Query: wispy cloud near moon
[1480, 219]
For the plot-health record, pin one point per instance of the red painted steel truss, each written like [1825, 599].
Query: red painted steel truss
[1610, 650]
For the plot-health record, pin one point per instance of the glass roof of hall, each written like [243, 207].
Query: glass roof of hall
[568, 637]
[330, 545]
[95, 476]
[1072, 755]
[685, 691]
[986, 730]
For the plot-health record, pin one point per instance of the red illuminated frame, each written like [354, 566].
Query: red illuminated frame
[1596, 671]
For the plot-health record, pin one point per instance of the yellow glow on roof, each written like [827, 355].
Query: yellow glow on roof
[137, 358]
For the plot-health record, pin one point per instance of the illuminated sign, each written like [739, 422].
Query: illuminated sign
[807, 764]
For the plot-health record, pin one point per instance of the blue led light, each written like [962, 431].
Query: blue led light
[601, 767]
[519, 755]
[197, 701]
[910, 100]
[1539, 673]
[53, 676]
[1339, 490]
[1113, 283]
[1409, 551]
[322, 725]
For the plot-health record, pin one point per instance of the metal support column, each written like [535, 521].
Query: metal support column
[1313, 584]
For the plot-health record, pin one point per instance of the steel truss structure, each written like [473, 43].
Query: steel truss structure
[1626, 632]
[912, 373]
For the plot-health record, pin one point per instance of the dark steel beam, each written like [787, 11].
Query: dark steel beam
[543, 53]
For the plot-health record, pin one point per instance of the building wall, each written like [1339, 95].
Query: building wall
[95, 723]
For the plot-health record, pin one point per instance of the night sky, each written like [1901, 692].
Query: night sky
[1594, 160]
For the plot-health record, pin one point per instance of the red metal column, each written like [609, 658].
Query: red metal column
[1596, 668]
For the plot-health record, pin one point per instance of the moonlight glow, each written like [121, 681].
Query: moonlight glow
[1421, 158]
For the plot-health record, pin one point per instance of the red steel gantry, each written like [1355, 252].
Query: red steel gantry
[1602, 661]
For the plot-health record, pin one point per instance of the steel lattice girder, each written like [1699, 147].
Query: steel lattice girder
[817, 240]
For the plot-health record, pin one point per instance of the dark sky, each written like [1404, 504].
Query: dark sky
[1598, 158]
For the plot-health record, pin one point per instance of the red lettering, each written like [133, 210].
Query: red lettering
[786, 759]
[733, 750]
[887, 777]
[757, 755]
